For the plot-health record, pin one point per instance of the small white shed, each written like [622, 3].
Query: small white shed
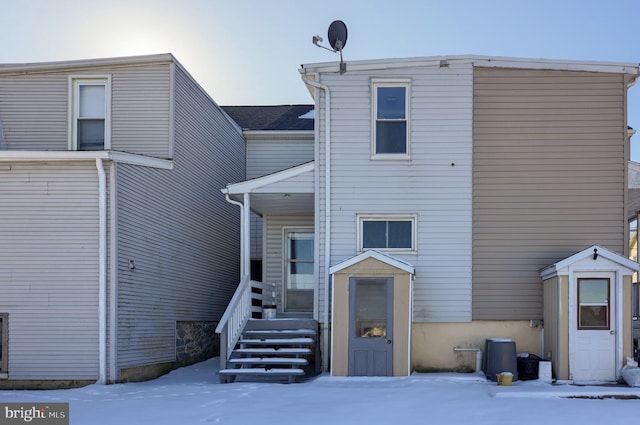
[587, 314]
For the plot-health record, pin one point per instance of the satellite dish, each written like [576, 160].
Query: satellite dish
[337, 40]
[337, 35]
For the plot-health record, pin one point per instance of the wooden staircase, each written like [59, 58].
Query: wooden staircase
[275, 350]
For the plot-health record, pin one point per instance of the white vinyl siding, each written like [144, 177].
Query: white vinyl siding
[181, 233]
[436, 183]
[275, 226]
[49, 269]
[270, 156]
[549, 179]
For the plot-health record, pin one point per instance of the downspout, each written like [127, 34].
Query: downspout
[102, 272]
[242, 231]
[327, 213]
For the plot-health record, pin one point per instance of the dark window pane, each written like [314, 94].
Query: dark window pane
[90, 135]
[391, 137]
[594, 317]
[391, 102]
[302, 249]
[374, 234]
[399, 234]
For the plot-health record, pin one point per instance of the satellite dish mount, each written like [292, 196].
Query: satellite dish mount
[337, 36]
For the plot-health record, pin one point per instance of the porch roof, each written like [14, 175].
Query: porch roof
[593, 251]
[289, 191]
[387, 259]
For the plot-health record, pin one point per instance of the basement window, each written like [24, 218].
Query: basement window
[4, 339]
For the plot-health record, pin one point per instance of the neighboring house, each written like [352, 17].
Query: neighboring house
[118, 253]
[440, 189]
[277, 138]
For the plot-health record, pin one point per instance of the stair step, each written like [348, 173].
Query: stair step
[278, 341]
[262, 371]
[269, 361]
[274, 351]
[279, 333]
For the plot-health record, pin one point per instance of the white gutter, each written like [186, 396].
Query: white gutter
[126, 158]
[242, 229]
[102, 272]
[327, 213]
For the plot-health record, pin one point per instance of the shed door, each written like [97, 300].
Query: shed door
[370, 326]
[593, 354]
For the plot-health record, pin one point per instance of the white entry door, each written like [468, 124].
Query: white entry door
[593, 341]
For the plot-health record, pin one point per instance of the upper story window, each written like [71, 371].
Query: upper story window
[387, 233]
[90, 114]
[390, 119]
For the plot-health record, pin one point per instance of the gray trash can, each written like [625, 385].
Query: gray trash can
[500, 356]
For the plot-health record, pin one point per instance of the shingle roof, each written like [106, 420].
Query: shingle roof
[281, 117]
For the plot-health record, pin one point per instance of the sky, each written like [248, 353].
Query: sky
[247, 52]
[193, 395]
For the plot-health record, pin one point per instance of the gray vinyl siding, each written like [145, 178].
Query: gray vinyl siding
[266, 157]
[435, 184]
[179, 230]
[49, 269]
[274, 258]
[548, 179]
[34, 109]
[140, 104]
[270, 156]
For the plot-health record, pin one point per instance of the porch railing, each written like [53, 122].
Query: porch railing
[239, 311]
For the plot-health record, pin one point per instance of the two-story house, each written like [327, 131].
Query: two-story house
[118, 253]
[451, 200]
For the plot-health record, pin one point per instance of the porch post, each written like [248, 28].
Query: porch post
[246, 242]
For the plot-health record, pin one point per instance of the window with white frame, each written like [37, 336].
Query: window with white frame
[387, 233]
[90, 118]
[390, 119]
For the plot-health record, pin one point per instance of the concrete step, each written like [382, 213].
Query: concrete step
[277, 341]
[269, 361]
[277, 351]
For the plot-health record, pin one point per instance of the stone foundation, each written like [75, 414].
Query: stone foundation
[196, 342]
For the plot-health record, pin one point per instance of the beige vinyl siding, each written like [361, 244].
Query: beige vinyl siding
[179, 230]
[34, 111]
[428, 185]
[548, 179]
[274, 257]
[49, 268]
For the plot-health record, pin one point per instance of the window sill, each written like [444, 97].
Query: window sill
[390, 251]
[390, 157]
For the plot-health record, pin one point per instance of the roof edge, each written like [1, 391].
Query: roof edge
[476, 60]
[26, 68]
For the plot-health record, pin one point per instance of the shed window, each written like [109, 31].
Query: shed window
[593, 304]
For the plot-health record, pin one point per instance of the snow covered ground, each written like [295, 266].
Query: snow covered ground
[193, 395]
